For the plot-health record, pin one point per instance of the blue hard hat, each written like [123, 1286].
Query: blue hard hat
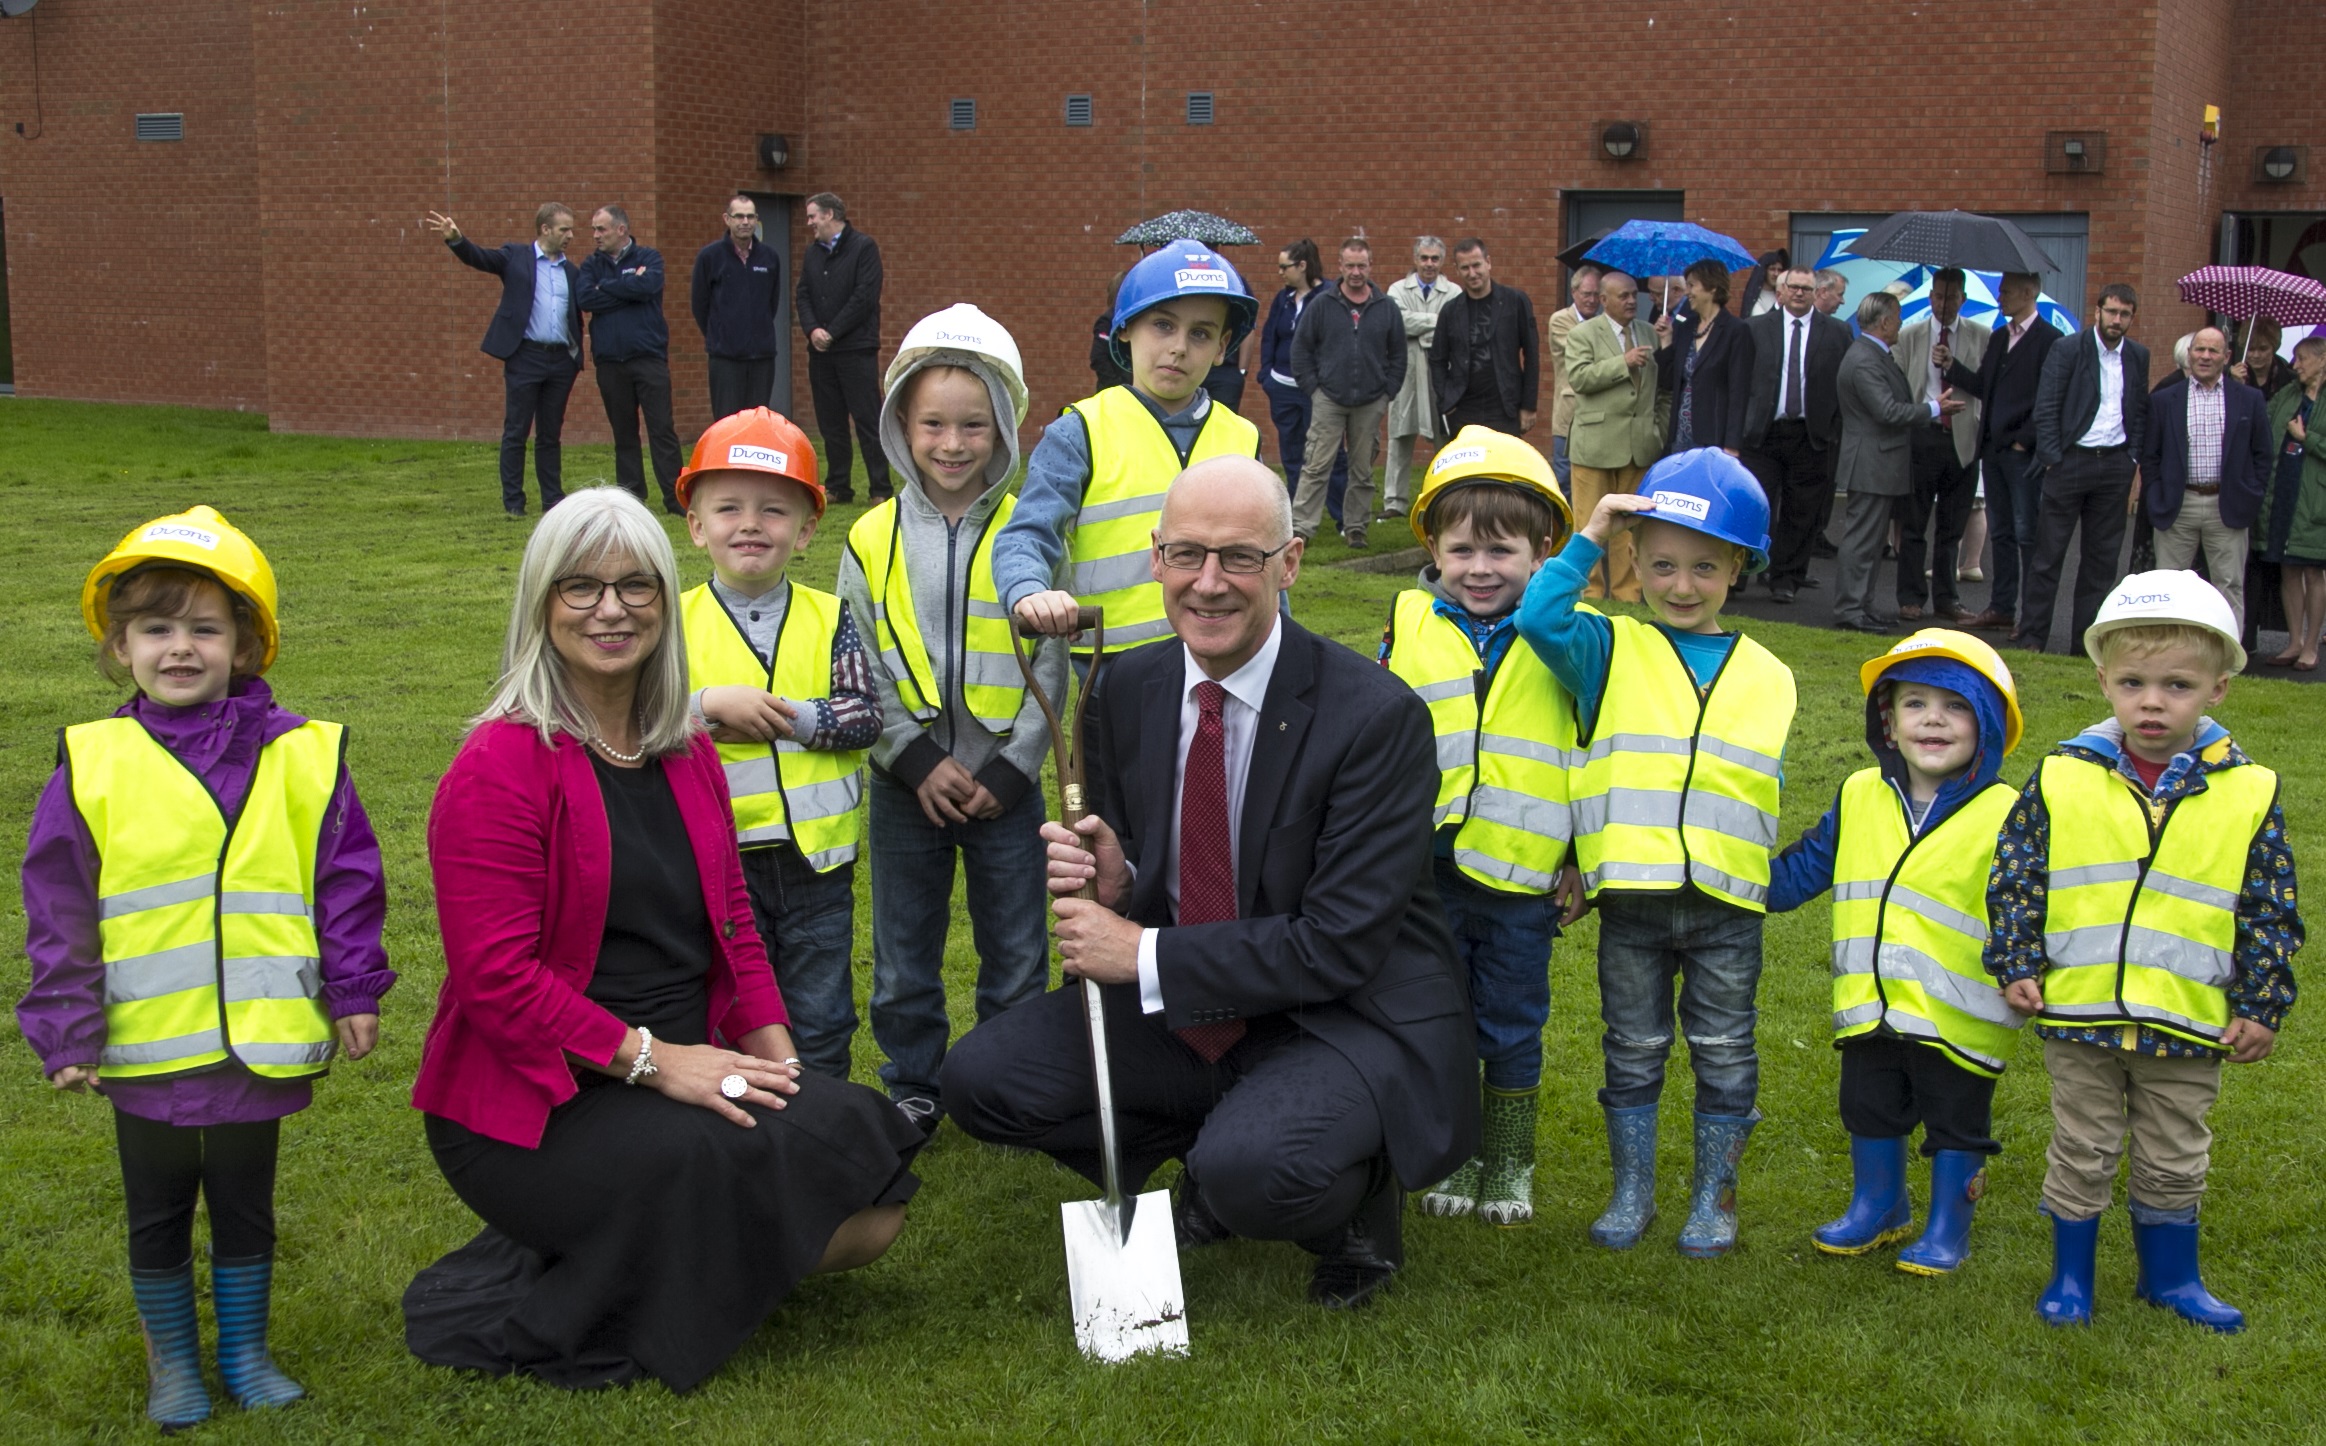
[1183, 268]
[1708, 491]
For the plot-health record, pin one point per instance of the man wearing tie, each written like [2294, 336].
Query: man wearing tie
[536, 333]
[2004, 381]
[1620, 419]
[1413, 414]
[1875, 467]
[1793, 423]
[1583, 304]
[1946, 452]
[1283, 1008]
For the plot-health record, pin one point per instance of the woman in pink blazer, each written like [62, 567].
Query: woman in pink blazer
[609, 1081]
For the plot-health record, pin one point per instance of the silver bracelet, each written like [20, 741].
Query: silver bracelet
[643, 1066]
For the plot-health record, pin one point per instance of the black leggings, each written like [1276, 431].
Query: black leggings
[163, 1167]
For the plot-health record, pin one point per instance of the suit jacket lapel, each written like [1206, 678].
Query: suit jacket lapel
[1158, 771]
[1283, 723]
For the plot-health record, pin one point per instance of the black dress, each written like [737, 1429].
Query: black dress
[645, 1237]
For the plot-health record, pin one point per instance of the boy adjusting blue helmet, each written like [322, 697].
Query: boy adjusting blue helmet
[1708, 491]
[1183, 268]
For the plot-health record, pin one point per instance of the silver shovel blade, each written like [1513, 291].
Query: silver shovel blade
[1125, 1292]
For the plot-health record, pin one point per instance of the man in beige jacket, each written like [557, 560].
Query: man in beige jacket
[1413, 414]
[1582, 305]
[1619, 424]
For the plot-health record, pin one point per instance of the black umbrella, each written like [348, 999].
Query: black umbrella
[1952, 238]
[1572, 257]
[1194, 225]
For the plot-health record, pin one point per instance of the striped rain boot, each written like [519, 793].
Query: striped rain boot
[174, 1396]
[241, 1292]
[1506, 1186]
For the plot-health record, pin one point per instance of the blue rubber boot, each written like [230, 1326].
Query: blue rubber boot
[2168, 1277]
[2075, 1249]
[1631, 1148]
[241, 1293]
[174, 1396]
[1720, 1143]
[1957, 1179]
[1879, 1210]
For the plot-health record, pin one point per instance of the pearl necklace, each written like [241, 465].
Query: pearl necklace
[597, 741]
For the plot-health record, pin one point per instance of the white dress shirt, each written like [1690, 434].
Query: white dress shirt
[1240, 723]
[2107, 429]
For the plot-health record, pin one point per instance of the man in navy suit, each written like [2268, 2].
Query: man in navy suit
[2005, 384]
[2204, 461]
[1283, 1009]
[536, 332]
[2091, 415]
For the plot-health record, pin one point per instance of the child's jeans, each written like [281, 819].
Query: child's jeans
[808, 921]
[912, 909]
[2097, 1095]
[1505, 942]
[1645, 939]
[1890, 1084]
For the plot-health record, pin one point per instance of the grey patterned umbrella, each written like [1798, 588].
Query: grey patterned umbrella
[1952, 238]
[1194, 225]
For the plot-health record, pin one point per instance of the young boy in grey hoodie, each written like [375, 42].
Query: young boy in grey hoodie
[959, 761]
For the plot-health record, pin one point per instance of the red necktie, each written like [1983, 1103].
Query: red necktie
[1207, 867]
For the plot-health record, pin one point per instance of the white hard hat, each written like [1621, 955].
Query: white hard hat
[2167, 596]
[963, 328]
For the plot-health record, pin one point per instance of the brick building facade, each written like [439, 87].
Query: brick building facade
[273, 259]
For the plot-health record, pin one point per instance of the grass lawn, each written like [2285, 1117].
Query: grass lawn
[396, 567]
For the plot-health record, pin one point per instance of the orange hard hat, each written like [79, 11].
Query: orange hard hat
[758, 439]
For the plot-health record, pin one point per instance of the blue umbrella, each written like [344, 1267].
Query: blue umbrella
[1666, 248]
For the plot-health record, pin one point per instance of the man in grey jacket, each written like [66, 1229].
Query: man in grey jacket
[1876, 466]
[945, 778]
[1348, 354]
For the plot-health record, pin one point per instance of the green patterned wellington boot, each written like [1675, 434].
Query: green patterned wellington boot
[1506, 1186]
[1454, 1196]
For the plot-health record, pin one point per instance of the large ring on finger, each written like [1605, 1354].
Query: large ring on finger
[734, 1087]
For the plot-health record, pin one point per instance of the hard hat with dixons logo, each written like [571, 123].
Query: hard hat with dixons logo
[1974, 653]
[199, 539]
[756, 439]
[1708, 491]
[962, 328]
[2167, 595]
[1480, 456]
[1183, 268]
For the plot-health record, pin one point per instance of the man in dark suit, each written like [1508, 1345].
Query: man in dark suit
[839, 312]
[1486, 361]
[2204, 462]
[2091, 409]
[1793, 421]
[1283, 1007]
[621, 289]
[1876, 467]
[735, 293]
[536, 332]
[2005, 383]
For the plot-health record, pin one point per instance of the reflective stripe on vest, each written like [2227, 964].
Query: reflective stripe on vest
[1679, 787]
[990, 681]
[1502, 774]
[1132, 462]
[2140, 922]
[1910, 924]
[785, 791]
[207, 927]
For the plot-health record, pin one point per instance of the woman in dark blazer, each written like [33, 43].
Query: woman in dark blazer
[1707, 366]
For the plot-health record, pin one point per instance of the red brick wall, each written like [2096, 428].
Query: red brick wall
[2273, 97]
[133, 268]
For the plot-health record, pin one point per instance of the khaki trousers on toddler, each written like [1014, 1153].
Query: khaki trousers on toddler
[2097, 1095]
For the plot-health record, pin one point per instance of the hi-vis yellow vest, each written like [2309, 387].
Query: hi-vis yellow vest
[207, 926]
[991, 683]
[1678, 787]
[1502, 769]
[1910, 924]
[2140, 920]
[784, 790]
[1132, 462]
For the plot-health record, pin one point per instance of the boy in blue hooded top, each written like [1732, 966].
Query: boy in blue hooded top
[1906, 848]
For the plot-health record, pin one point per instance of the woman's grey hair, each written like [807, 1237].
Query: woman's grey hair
[588, 526]
[2181, 351]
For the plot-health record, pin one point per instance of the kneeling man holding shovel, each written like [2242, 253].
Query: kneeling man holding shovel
[1282, 1006]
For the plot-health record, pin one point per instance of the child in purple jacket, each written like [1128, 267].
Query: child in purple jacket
[203, 901]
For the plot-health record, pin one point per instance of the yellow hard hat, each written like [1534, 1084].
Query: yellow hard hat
[199, 539]
[1973, 653]
[1481, 454]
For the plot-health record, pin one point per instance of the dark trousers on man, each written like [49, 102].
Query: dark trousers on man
[1281, 1132]
[1798, 479]
[628, 387]
[846, 386]
[739, 383]
[1486, 411]
[539, 379]
[2090, 488]
[1931, 522]
[1289, 409]
[2014, 509]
